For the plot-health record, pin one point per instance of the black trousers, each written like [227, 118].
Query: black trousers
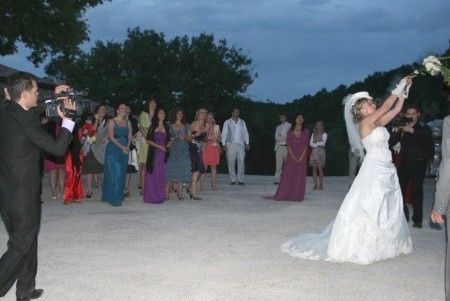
[413, 170]
[19, 262]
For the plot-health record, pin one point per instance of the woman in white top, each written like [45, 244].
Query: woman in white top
[317, 159]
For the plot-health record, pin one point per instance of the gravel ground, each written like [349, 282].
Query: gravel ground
[224, 247]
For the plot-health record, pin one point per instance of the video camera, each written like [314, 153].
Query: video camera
[401, 120]
[51, 105]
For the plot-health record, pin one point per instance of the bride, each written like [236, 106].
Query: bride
[370, 224]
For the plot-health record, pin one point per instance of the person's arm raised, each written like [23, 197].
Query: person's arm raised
[387, 117]
[385, 113]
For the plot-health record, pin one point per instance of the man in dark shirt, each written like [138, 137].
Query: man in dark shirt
[417, 147]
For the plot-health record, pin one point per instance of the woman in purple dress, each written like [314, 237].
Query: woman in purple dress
[293, 177]
[158, 136]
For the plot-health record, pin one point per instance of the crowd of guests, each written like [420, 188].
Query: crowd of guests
[168, 154]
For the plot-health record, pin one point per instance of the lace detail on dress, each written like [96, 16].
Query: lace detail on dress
[378, 138]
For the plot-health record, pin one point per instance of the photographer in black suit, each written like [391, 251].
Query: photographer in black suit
[22, 142]
[416, 148]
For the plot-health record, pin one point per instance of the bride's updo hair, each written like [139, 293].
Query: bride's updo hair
[356, 109]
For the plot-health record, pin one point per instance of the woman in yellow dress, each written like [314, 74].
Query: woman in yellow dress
[144, 120]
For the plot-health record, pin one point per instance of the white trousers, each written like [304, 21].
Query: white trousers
[236, 152]
[280, 157]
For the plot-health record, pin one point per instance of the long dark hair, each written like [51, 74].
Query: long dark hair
[173, 115]
[294, 123]
[147, 103]
[75, 147]
[105, 118]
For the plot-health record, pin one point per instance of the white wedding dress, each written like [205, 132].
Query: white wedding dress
[370, 224]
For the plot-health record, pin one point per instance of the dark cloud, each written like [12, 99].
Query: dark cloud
[298, 46]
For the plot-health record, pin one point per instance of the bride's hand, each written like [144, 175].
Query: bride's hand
[408, 80]
[403, 87]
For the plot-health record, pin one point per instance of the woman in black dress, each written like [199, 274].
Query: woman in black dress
[94, 149]
[197, 133]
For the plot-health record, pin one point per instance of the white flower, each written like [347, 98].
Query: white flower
[437, 65]
[432, 65]
[428, 66]
[434, 72]
[431, 59]
[416, 72]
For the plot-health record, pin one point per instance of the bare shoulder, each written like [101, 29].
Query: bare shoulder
[366, 126]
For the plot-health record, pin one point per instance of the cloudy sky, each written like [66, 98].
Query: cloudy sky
[297, 46]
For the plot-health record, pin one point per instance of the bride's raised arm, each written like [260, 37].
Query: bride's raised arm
[387, 117]
[387, 111]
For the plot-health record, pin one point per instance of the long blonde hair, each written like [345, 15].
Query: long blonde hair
[319, 125]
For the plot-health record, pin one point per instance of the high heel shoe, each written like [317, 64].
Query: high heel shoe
[180, 196]
[197, 198]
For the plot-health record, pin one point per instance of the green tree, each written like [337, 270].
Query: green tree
[47, 27]
[187, 72]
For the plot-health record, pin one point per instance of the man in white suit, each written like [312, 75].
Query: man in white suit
[442, 197]
[236, 142]
[280, 146]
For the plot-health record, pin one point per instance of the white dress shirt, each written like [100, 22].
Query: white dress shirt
[281, 134]
[235, 132]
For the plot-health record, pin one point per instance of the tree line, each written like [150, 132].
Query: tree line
[201, 72]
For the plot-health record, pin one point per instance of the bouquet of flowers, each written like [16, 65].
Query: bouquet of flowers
[435, 65]
[89, 130]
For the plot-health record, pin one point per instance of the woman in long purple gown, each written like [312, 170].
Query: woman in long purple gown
[157, 138]
[293, 177]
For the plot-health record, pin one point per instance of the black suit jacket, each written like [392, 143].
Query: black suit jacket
[418, 145]
[22, 141]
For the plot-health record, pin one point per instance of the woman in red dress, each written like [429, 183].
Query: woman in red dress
[211, 151]
[73, 188]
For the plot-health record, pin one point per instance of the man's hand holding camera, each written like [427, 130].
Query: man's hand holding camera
[68, 104]
[407, 128]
